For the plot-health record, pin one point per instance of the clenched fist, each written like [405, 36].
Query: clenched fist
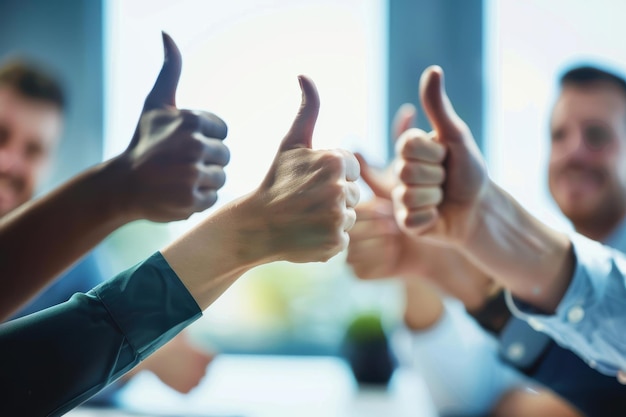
[174, 164]
[305, 205]
[442, 174]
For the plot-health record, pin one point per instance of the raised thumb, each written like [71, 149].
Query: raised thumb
[437, 105]
[163, 93]
[403, 120]
[378, 180]
[301, 133]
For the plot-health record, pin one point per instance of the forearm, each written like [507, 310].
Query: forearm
[534, 261]
[460, 365]
[55, 359]
[213, 255]
[424, 306]
[45, 236]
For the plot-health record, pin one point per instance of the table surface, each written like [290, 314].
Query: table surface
[276, 386]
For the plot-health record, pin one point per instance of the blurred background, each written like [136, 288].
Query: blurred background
[240, 61]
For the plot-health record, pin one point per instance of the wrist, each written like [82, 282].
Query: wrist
[260, 239]
[98, 191]
[213, 255]
[115, 183]
[531, 259]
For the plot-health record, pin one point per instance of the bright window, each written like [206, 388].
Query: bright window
[240, 61]
[528, 44]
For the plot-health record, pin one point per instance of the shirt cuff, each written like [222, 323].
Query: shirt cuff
[580, 319]
[149, 304]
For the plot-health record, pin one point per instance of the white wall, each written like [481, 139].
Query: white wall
[240, 61]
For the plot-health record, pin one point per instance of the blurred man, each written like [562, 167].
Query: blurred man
[457, 359]
[586, 178]
[172, 168]
[31, 118]
[572, 287]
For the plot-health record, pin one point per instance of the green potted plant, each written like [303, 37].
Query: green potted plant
[366, 349]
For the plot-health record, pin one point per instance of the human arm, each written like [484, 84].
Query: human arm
[520, 402]
[547, 269]
[59, 357]
[171, 169]
[459, 363]
[301, 213]
[380, 249]
[179, 364]
[448, 197]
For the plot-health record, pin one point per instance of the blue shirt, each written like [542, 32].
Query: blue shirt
[81, 277]
[591, 318]
[55, 359]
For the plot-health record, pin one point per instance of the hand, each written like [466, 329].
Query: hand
[442, 174]
[378, 248]
[173, 166]
[301, 212]
[178, 364]
[305, 205]
[382, 181]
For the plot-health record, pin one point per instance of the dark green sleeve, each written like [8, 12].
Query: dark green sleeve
[53, 360]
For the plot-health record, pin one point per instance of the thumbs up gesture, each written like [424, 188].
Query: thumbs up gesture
[382, 181]
[378, 248]
[442, 174]
[305, 205]
[173, 166]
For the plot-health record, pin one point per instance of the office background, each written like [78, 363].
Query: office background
[241, 58]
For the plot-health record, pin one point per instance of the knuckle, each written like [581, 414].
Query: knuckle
[189, 176]
[218, 153]
[406, 198]
[209, 200]
[438, 196]
[219, 178]
[190, 120]
[336, 192]
[406, 172]
[194, 145]
[333, 161]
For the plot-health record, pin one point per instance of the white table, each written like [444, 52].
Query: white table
[276, 386]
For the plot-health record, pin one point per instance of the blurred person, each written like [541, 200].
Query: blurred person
[591, 104]
[572, 287]
[31, 116]
[458, 360]
[55, 359]
[170, 170]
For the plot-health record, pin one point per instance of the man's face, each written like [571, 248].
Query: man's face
[29, 130]
[587, 170]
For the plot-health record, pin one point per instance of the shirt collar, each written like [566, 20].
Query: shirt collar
[617, 239]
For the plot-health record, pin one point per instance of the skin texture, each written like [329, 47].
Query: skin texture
[172, 168]
[465, 209]
[301, 212]
[378, 249]
[587, 166]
